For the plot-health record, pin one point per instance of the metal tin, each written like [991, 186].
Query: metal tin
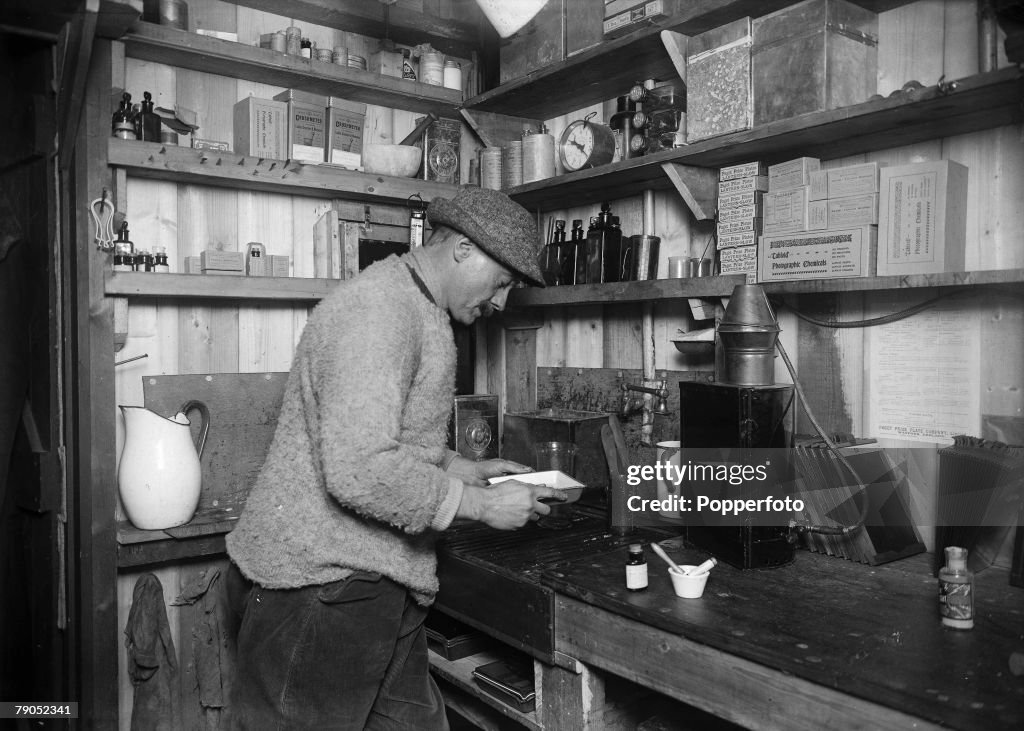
[474, 427]
[174, 13]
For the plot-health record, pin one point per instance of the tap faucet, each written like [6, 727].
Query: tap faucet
[631, 403]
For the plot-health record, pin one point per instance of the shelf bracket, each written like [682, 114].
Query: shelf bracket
[675, 45]
[697, 186]
[497, 130]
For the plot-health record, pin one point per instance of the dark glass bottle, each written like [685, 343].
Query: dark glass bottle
[613, 253]
[147, 122]
[573, 251]
[553, 252]
[122, 124]
[636, 568]
[595, 251]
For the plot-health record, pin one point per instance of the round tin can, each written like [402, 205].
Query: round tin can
[432, 68]
[324, 54]
[279, 42]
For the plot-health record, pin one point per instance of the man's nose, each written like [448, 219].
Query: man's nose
[498, 301]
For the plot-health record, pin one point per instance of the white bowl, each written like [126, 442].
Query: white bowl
[688, 587]
[551, 478]
[402, 161]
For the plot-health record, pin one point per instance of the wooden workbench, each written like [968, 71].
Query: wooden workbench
[822, 643]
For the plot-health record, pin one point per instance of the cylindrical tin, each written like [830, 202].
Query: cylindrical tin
[538, 157]
[645, 257]
[748, 332]
[279, 42]
[490, 168]
[174, 13]
[340, 56]
[325, 55]
[512, 165]
[293, 41]
[356, 62]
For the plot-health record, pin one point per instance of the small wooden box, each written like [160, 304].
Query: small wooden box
[922, 218]
[812, 56]
[537, 44]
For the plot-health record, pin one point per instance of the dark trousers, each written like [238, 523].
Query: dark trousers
[347, 655]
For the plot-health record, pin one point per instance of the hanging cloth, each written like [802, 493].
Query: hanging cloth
[151, 658]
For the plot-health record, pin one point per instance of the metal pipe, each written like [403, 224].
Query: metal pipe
[647, 330]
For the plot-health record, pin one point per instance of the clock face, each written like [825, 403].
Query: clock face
[578, 146]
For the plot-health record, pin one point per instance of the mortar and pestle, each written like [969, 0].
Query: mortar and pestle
[401, 160]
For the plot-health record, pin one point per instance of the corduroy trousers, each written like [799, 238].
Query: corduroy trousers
[349, 655]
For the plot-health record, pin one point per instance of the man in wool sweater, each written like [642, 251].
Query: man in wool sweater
[336, 542]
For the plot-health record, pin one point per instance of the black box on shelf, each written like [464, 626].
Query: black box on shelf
[509, 680]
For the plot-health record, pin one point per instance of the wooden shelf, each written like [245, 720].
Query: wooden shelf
[722, 286]
[405, 26]
[161, 44]
[978, 102]
[205, 286]
[610, 69]
[460, 674]
[228, 169]
[136, 547]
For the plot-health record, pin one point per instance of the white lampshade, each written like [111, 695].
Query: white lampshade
[508, 16]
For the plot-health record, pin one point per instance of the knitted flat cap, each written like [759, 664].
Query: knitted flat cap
[495, 223]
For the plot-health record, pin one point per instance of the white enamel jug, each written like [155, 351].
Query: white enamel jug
[159, 477]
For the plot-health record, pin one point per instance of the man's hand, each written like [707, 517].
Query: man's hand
[476, 474]
[507, 505]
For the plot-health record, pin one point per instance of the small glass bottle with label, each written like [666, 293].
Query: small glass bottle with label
[956, 590]
[636, 568]
[123, 122]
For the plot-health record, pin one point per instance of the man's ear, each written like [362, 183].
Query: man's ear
[462, 249]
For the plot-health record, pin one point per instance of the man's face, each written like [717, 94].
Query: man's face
[479, 287]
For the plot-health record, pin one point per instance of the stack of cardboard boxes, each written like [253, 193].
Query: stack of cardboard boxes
[740, 215]
[818, 224]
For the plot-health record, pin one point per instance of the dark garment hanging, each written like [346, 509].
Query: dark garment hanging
[151, 658]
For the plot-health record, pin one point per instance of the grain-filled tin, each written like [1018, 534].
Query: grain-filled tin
[812, 56]
[718, 81]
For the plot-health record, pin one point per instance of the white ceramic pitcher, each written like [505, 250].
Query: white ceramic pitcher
[159, 477]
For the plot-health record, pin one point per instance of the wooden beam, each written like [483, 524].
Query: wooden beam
[497, 130]
[675, 44]
[76, 42]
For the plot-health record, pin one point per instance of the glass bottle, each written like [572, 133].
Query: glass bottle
[147, 122]
[572, 252]
[122, 124]
[956, 590]
[613, 252]
[160, 260]
[124, 251]
[636, 568]
[595, 249]
[553, 252]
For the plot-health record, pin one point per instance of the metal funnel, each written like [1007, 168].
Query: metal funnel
[748, 332]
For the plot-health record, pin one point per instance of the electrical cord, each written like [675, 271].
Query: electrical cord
[893, 316]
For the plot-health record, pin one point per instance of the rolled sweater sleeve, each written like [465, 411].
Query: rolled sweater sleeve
[356, 388]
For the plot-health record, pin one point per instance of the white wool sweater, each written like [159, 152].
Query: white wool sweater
[353, 479]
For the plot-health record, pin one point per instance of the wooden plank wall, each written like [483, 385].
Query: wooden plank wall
[187, 338]
[922, 41]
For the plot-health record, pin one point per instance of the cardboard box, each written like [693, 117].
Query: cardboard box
[743, 185]
[733, 227]
[743, 170]
[818, 185]
[922, 218]
[280, 265]
[788, 211]
[307, 124]
[345, 132]
[261, 128]
[812, 56]
[735, 200]
[216, 260]
[743, 238]
[854, 210]
[192, 265]
[792, 173]
[739, 213]
[719, 93]
[737, 260]
[852, 180]
[833, 254]
[638, 16]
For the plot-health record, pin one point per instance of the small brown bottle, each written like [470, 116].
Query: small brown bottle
[636, 568]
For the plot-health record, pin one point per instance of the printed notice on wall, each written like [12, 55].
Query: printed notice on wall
[925, 381]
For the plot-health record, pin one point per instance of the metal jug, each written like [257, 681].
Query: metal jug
[159, 477]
